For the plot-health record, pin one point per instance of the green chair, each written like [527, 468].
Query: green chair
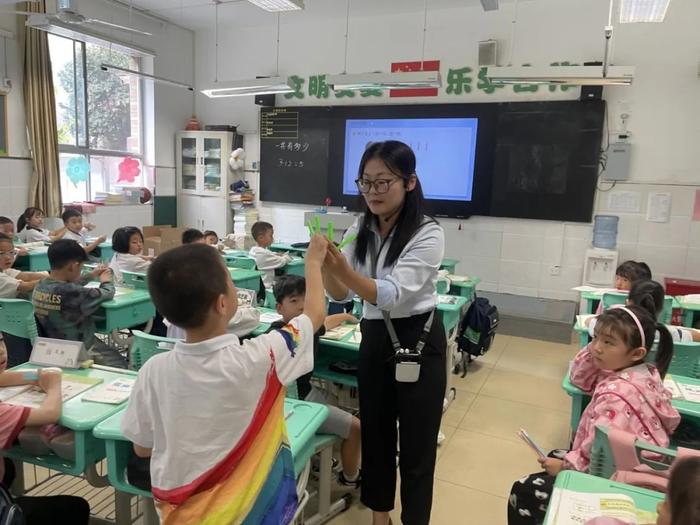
[144, 346]
[613, 298]
[17, 318]
[135, 280]
[685, 360]
[603, 462]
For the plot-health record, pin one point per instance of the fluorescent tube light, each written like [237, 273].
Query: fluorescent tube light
[566, 75]
[257, 86]
[279, 5]
[489, 5]
[111, 67]
[83, 34]
[632, 11]
[401, 80]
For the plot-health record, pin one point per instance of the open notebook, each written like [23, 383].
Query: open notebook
[33, 396]
[569, 507]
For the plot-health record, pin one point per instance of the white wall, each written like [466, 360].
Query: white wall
[511, 256]
[174, 49]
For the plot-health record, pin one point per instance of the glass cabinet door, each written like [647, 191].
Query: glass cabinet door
[188, 148]
[212, 165]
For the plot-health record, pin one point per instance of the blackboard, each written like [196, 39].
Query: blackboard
[546, 160]
[294, 154]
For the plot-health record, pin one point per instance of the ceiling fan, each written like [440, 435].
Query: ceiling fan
[68, 14]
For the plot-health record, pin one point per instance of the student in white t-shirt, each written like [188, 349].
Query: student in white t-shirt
[13, 282]
[210, 413]
[266, 260]
[127, 243]
[650, 295]
[73, 222]
[30, 227]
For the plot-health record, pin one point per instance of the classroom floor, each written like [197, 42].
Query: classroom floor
[516, 385]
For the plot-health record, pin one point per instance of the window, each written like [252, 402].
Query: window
[99, 120]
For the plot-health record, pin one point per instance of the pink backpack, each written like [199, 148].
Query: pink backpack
[632, 466]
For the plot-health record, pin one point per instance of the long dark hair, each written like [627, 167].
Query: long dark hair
[23, 220]
[649, 295]
[617, 321]
[401, 161]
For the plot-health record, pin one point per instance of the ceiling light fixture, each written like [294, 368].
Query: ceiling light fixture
[632, 11]
[277, 6]
[258, 86]
[399, 80]
[562, 75]
[112, 67]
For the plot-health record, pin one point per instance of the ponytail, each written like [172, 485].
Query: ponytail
[23, 220]
[649, 295]
[664, 352]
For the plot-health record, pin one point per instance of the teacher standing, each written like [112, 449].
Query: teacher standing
[393, 266]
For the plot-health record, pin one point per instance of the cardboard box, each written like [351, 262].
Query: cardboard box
[161, 238]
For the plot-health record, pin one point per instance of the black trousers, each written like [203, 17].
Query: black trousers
[416, 406]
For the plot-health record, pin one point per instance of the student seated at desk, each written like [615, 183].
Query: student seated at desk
[127, 243]
[266, 260]
[8, 228]
[682, 503]
[210, 413]
[13, 419]
[29, 227]
[629, 272]
[244, 321]
[73, 222]
[14, 283]
[650, 296]
[627, 394]
[289, 293]
[192, 236]
[64, 306]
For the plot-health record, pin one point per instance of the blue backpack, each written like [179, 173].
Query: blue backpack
[477, 332]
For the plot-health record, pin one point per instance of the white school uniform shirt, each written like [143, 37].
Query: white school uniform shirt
[126, 262]
[192, 404]
[267, 262]
[243, 322]
[678, 333]
[34, 235]
[409, 286]
[77, 237]
[9, 283]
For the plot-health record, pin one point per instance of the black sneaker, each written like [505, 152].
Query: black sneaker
[342, 480]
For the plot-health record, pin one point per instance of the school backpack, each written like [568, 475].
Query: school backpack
[10, 513]
[477, 331]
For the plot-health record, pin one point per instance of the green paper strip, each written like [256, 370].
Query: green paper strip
[311, 229]
[329, 228]
[347, 241]
[318, 224]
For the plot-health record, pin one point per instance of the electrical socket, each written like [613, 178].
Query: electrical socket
[7, 83]
[555, 270]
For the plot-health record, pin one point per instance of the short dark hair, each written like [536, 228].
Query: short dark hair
[211, 233]
[185, 281]
[288, 285]
[69, 213]
[260, 228]
[191, 235]
[683, 487]
[65, 251]
[634, 271]
[122, 237]
[5, 220]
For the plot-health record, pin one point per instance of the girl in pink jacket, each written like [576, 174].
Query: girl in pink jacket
[627, 394]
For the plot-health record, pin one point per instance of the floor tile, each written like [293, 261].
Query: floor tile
[477, 373]
[453, 504]
[459, 406]
[526, 388]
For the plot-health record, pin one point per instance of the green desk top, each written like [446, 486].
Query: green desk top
[296, 262]
[232, 254]
[302, 424]
[84, 415]
[240, 274]
[580, 482]
[282, 247]
[685, 408]
[126, 297]
[695, 307]
[469, 283]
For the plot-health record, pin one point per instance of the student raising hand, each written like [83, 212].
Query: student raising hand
[317, 250]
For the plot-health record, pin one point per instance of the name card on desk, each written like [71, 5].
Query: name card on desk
[57, 352]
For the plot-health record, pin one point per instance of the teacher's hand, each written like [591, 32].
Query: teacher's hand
[335, 263]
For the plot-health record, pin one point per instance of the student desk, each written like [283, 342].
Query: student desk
[238, 259]
[582, 330]
[578, 481]
[304, 420]
[294, 267]
[81, 417]
[36, 260]
[449, 264]
[281, 247]
[249, 279]
[106, 250]
[689, 309]
[465, 288]
[579, 400]
[130, 307]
